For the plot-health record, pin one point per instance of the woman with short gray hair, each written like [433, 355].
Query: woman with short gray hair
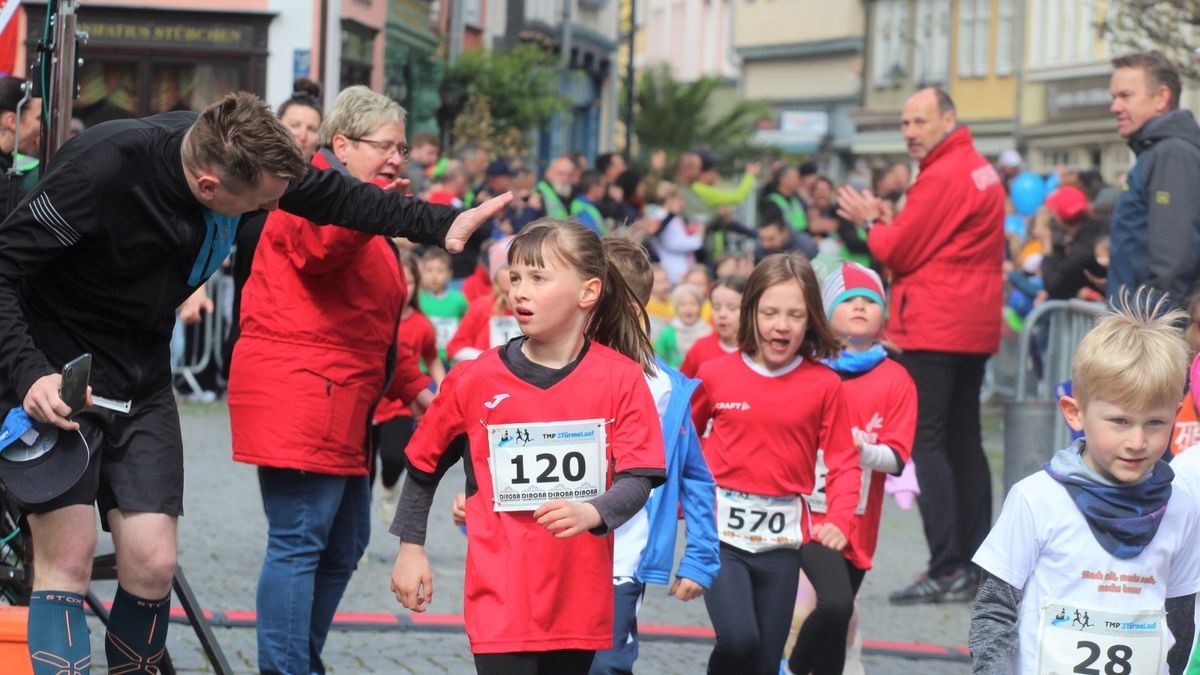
[319, 319]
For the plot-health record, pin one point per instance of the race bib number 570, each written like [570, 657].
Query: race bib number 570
[538, 462]
[757, 523]
[1092, 641]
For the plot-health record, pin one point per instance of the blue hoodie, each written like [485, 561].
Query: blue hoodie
[688, 482]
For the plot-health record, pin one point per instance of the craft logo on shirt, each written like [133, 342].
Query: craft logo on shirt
[871, 433]
[491, 405]
[732, 405]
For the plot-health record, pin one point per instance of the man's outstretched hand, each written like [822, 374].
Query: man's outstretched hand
[470, 220]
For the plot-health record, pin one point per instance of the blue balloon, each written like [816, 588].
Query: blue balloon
[1052, 182]
[1014, 224]
[1027, 191]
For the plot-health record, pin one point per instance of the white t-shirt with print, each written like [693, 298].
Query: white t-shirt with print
[630, 539]
[1042, 545]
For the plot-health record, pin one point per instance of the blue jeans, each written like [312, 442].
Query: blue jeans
[317, 529]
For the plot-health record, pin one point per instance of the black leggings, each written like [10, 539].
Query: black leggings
[561, 662]
[750, 606]
[821, 644]
[391, 438]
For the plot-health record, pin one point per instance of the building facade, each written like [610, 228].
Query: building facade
[144, 57]
[1065, 99]
[694, 38]
[808, 67]
[412, 67]
[985, 52]
[907, 48]
[584, 34]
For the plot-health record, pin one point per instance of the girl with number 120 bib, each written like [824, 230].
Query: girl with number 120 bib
[772, 405]
[565, 446]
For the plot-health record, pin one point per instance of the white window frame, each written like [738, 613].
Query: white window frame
[973, 38]
[890, 17]
[932, 39]
[1005, 38]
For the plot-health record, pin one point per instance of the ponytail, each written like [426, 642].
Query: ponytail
[620, 321]
[617, 320]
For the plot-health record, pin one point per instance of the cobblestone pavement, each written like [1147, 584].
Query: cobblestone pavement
[221, 547]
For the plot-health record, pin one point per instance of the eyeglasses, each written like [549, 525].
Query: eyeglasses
[384, 147]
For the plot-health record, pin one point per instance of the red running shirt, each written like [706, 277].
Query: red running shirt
[415, 334]
[525, 590]
[766, 430]
[706, 349]
[883, 409]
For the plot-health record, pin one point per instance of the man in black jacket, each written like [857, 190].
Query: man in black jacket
[1155, 230]
[129, 219]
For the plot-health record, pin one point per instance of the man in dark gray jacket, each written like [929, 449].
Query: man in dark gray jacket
[1155, 231]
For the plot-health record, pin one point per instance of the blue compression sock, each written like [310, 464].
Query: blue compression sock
[58, 634]
[137, 633]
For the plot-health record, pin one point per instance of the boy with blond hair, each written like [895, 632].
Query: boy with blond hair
[1094, 563]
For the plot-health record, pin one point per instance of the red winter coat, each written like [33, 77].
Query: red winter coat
[945, 252]
[319, 316]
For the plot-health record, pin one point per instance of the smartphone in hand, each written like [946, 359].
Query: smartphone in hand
[75, 376]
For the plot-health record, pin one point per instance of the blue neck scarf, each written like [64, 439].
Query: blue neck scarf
[854, 363]
[1124, 518]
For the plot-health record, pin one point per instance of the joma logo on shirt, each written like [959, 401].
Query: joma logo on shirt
[732, 405]
[491, 405]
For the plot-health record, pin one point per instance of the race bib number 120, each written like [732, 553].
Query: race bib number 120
[1094, 641]
[538, 462]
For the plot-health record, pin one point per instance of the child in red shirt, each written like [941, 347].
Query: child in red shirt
[726, 300]
[771, 405]
[393, 424]
[489, 321]
[882, 401]
[565, 446]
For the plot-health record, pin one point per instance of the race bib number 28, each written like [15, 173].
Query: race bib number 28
[1094, 641]
[538, 462]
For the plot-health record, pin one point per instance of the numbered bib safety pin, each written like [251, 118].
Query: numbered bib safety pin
[538, 462]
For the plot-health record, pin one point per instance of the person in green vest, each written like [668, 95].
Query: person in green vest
[784, 202]
[554, 190]
[474, 161]
[583, 207]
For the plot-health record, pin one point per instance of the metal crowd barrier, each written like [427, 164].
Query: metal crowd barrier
[1033, 428]
[204, 340]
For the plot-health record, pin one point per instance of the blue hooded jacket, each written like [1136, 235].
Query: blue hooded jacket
[690, 483]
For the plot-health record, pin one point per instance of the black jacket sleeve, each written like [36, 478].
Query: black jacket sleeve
[326, 196]
[1181, 613]
[51, 219]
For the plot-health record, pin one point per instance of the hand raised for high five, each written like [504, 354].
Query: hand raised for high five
[470, 220]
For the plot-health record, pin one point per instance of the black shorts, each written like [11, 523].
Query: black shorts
[137, 464]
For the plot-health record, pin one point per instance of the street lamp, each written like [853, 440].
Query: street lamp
[397, 86]
[452, 95]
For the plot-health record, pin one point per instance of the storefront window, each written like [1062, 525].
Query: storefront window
[117, 89]
[141, 62]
